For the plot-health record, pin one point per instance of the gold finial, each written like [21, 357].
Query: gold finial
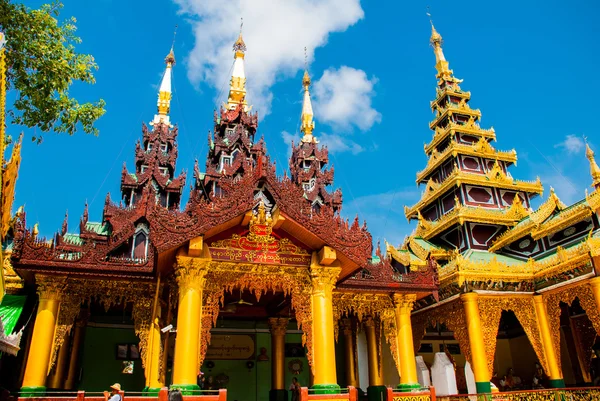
[170, 59]
[307, 123]
[239, 47]
[164, 92]
[594, 169]
[435, 36]
[237, 87]
[441, 65]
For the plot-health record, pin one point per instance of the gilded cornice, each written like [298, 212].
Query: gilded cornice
[482, 148]
[565, 219]
[593, 200]
[448, 91]
[471, 128]
[530, 225]
[461, 269]
[460, 109]
[423, 254]
[494, 179]
[460, 214]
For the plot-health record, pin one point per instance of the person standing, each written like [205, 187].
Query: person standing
[295, 389]
[115, 390]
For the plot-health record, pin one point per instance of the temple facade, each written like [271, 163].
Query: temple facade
[257, 278]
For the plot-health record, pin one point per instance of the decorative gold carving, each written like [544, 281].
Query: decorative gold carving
[50, 287]
[259, 279]
[582, 292]
[593, 200]
[323, 279]
[361, 304]
[458, 176]
[451, 314]
[441, 134]
[278, 325]
[491, 308]
[68, 311]
[12, 282]
[190, 273]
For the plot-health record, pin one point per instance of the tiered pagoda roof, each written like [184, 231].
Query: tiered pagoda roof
[476, 220]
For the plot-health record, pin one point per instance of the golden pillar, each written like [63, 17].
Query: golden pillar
[190, 276]
[57, 376]
[403, 305]
[323, 281]
[595, 286]
[554, 374]
[476, 343]
[78, 334]
[49, 290]
[376, 390]
[349, 352]
[278, 327]
[153, 373]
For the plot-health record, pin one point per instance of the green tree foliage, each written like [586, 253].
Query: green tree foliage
[42, 64]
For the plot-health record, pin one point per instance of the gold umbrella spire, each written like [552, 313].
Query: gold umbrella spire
[237, 87]
[441, 65]
[307, 123]
[594, 169]
[164, 91]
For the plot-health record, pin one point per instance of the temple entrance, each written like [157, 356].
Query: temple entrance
[240, 356]
[577, 345]
[515, 360]
[110, 353]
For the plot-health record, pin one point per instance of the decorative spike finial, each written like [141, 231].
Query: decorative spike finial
[164, 92]
[307, 123]
[594, 169]
[441, 65]
[237, 87]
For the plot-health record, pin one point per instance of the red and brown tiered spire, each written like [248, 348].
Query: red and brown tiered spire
[469, 195]
[156, 154]
[308, 161]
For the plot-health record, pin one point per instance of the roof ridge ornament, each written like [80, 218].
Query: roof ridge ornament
[594, 169]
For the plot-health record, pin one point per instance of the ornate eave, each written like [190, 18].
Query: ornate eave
[528, 225]
[461, 270]
[448, 91]
[461, 214]
[471, 127]
[462, 109]
[496, 179]
[479, 149]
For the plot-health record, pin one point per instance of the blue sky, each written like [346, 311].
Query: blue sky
[530, 67]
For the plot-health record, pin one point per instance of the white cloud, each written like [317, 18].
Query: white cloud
[572, 144]
[338, 144]
[275, 32]
[335, 143]
[343, 98]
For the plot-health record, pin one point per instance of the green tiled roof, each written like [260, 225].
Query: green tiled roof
[484, 256]
[98, 228]
[73, 239]
[428, 246]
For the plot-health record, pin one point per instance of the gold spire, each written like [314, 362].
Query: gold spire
[441, 65]
[237, 87]
[164, 92]
[594, 169]
[308, 125]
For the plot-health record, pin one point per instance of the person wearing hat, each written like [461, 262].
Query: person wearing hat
[115, 390]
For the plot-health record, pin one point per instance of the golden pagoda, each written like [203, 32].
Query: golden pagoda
[500, 262]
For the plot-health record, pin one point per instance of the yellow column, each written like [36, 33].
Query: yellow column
[278, 328]
[57, 376]
[555, 376]
[476, 343]
[403, 305]
[49, 290]
[349, 333]
[323, 281]
[190, 276]
[376, 390]
[153, 374]
[595, 285]
[73, 372]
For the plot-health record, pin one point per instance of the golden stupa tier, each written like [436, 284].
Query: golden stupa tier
[481, 148]
[552, 216]
[500, 271]
[469, 128]
[461, 109]
[494, 178]
[460, 214]
[449, 93]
